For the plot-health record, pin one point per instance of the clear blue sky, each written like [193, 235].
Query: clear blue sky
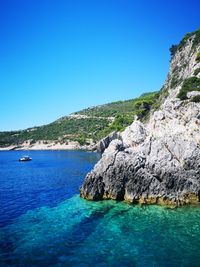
[57, 57]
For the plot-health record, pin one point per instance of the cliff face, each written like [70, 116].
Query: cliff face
[157, 162]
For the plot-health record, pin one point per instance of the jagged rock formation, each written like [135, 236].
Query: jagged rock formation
[156, 162]
[104, 142]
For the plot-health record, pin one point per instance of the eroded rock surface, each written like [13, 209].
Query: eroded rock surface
[104, 143]
[158, 162]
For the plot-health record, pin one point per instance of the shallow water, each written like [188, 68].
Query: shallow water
[45, 223]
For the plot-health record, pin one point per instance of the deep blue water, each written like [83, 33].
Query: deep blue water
[44, 222]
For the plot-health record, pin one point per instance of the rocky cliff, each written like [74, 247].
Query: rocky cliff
[159, 161]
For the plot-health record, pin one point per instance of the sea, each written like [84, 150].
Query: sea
[44, 222]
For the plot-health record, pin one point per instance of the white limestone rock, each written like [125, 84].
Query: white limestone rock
[158, 162]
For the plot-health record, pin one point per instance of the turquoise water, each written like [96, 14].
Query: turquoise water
[76, 232]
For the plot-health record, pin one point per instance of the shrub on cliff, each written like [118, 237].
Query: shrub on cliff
[173, 50]
[196, 38]
[198, 57]
[196, 99]
[189, 85]
[196, 72]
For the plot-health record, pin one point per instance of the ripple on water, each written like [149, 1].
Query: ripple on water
[105, 233]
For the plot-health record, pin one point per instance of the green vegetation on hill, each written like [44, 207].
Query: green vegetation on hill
[113, 109]
[123, 112]
[68, 129]
[95, 124]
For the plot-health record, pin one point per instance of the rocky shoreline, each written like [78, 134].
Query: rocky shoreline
[157, 162]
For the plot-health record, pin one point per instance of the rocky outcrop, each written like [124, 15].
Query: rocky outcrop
[104, 143]
[156, 162]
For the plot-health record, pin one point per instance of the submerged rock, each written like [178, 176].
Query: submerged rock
[156, 162]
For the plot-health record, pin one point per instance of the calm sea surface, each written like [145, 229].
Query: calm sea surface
[43, 222]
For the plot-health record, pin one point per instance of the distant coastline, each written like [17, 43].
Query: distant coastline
[82, 129]
[43, 145]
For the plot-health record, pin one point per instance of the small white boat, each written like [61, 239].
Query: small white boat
[25, 158]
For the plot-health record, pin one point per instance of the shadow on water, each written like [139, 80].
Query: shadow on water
[105, 233]
[61, 246]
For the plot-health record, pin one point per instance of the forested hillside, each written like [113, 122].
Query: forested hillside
[91, 123]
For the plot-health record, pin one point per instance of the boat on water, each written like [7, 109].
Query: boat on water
[25, 158]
